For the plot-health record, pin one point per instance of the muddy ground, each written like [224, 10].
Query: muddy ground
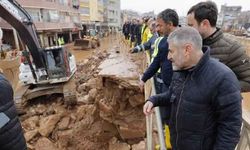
[108, 115]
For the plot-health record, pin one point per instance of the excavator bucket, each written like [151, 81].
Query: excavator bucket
[10, 68]
[83, 43]
[87, 43]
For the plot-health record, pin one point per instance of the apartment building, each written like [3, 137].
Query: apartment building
[101, 15]
[52, 19]
[112, 14]
[91, 14]
[244, 20]
[228, 17]
[128, 15]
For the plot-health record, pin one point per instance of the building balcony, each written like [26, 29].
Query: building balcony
[84, 4]
[45, 26]
[85, 18]
[100, 7]
[54, 26]
[46, 5]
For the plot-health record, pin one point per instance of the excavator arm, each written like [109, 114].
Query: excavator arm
[19, 19]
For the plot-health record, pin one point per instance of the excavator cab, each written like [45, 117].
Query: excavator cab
[60, 64]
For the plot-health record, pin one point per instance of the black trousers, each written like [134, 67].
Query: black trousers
[160, 87]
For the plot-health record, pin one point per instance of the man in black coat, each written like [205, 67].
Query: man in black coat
[125, 30]
[204, 96]
[11, 134]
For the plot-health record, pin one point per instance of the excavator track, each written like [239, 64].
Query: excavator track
[25, 93]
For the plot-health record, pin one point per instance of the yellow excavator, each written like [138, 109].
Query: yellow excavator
[42, 71]
[88, 42]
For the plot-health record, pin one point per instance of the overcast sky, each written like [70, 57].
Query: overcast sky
[181, 6]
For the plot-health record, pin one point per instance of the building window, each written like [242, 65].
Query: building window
[85, 1]
[51, 0]
[50, 16]
[100, 2]
[35, 14]
[75, 4]
[64, 2]
[84, 10]
[112, 12]
[63, 17]
[113, 20]
[100, 12]
[75, 19]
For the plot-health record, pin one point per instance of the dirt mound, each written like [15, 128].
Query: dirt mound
[108, 115]
[10, 68]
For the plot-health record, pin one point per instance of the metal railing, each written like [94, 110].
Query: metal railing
[149, 118]
[244, 143]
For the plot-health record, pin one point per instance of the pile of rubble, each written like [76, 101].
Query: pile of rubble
[108, 115]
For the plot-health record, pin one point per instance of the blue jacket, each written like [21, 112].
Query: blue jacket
[205, 107]
[11, 134]
[149, 45]
[160, 62]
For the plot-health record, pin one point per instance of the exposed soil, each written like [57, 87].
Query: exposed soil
[108, 115]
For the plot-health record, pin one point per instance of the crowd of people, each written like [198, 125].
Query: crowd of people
[199, 75]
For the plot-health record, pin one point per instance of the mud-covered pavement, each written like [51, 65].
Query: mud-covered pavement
[108, 115]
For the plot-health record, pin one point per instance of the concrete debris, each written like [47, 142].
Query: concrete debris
[31, 123]
[48, 124]
[64, 123]
[45, 144]
[114, 144]
[139, 146]
[30, 134]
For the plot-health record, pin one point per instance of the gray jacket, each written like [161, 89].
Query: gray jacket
[232, 54]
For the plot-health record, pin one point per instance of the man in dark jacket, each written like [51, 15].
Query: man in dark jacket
[11, 134]
[167, 22]
[204, 96]
[203, 17]
[137, 31]
[132, 32]
[125, 30]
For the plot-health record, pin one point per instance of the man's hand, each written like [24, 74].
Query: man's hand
[141, 84]
[132, 50]
[135, 49]
[147, 108]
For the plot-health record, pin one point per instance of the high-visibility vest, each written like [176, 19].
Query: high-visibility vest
[143, 29]
[156, 50]
[149, 35]
[62, 41]
[145, 35]
[59, 41]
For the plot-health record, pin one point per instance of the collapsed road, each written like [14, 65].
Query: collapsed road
[108, 114]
